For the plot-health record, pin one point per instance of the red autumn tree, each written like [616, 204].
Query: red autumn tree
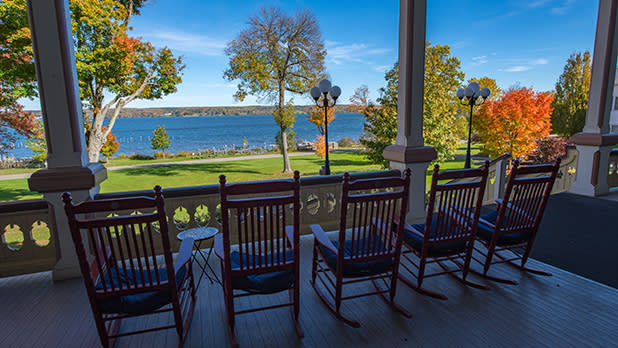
[514, 121]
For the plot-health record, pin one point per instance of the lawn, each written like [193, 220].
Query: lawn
[208, 173]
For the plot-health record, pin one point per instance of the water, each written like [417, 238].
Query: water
[208, 132]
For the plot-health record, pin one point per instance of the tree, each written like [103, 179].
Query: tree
[514, 122]
[316, 116]
[17, 75]
[111, 146]
[274, 54]
[111, 62]
[359, 101]
[160, 140]
[443, 76]
[571, 97]
[38, 144]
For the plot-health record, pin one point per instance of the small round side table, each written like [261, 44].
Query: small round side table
[200, 234]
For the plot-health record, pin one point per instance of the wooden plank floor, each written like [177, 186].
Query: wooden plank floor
[560, 311]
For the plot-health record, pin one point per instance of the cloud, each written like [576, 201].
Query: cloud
[530, 65]
[186, 42]
[339, 53]
[564, 8]
[518, 68]
[479, 60]
[382, 68]
[537, 3]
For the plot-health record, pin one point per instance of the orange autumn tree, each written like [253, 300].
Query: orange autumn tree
[316, 116]
[513, 122]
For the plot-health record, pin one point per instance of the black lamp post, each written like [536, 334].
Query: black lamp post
[470, 96]
[329, 99]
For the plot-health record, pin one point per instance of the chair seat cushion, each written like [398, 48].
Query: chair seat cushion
[140, 303]
[357, 269]
[485, 232]
[447, 248]
[265, 283]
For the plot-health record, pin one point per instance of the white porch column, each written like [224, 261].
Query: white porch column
[409, 150]
[594, 143]
[69, 169]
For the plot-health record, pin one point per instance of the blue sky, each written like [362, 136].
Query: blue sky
[514, 41]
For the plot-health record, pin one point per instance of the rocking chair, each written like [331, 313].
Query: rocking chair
[126, 278]
[368, 243]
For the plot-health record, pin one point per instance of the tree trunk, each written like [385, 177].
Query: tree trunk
[284, 150]
[284, 132]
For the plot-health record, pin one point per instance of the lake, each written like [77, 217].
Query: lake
[208, 132]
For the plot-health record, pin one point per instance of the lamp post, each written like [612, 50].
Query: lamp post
[329, 99]
[470, 96]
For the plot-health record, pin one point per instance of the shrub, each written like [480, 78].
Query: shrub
[547, 150]
[139, 156]
[346, 142]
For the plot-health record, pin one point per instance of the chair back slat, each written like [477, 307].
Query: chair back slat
[260, 223]
[124, 243]
[454, 208]
[372, 232]
[525, 197]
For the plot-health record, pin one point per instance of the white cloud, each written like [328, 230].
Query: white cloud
[382, 68]
[518, 68]
[186, 42]
[564, 8]
[338, 53]
[530, 65]
[479, 60]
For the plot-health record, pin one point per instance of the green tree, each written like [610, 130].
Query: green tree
[443, 76]
[274, 54]
[571, 97]
[112, 63]
[37, 143]
[160, 140]
[17, 75]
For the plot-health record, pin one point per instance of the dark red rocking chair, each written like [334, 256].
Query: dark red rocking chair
[368, 244]
[515, 223]
[265, 258]
[126, 278]
[447, 236]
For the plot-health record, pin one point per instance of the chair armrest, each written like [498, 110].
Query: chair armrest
[407, 226]
[184, 253]
[218, 246]
[289, 233]
[485, 222]
[321, 238]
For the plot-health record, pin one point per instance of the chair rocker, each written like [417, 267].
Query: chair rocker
[514, 225]
[447, 236]
[265, 258]
[368, 244]
[126, 278]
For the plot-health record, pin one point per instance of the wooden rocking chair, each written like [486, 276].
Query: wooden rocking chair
[449, 229]
[266, 258]
[516, 221]
[368, 244]
[126, 278]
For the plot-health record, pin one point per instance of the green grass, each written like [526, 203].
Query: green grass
[202, 174]
[208, 173]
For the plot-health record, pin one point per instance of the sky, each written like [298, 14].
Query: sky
[516, 42]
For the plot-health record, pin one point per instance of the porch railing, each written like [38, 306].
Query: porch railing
[612, 177]
[28, 238]
[28, 231]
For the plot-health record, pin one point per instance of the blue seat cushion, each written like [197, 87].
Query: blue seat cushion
[447, 248]
[141, 303]
[265, 283]
[485, 232]
[357, 269]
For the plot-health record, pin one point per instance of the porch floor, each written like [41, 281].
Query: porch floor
[560, 311]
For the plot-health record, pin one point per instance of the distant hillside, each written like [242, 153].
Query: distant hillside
[211, 111]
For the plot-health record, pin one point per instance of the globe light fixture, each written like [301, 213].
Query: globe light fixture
[329, 95]
[472, 95]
